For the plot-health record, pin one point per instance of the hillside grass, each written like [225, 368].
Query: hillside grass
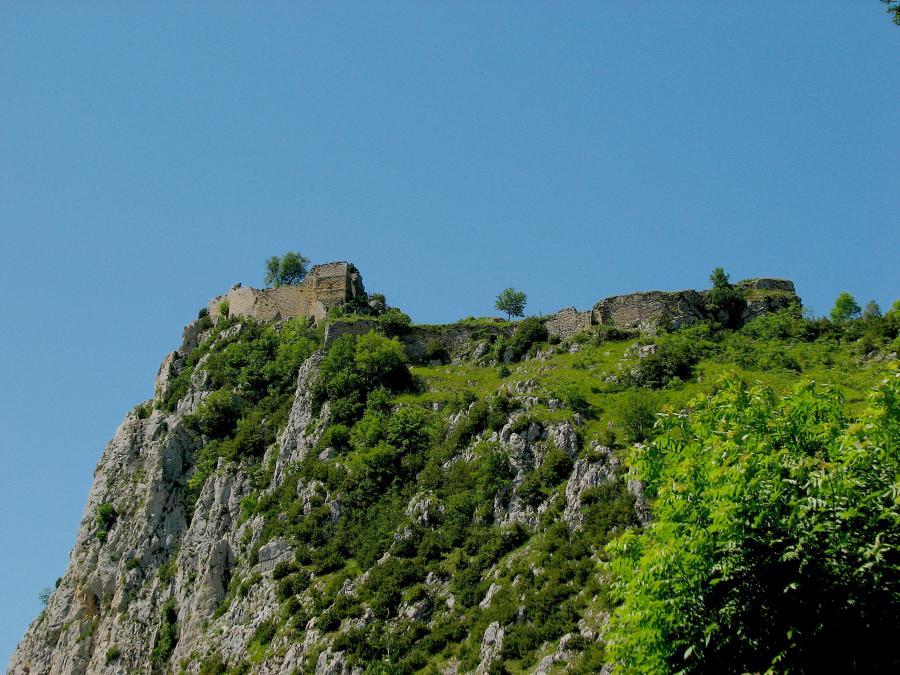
[396, 433]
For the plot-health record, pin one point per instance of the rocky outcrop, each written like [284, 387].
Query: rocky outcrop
[491, 645]
[156, 544]
[305, 424]
[110, 592]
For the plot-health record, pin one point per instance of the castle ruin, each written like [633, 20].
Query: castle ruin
[329, 285]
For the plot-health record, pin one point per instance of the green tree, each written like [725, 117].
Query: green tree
[288, 269]
[893, 8]
[724, 301]
[845, 308]
[512, 302]
[773, 546]
[871, 310]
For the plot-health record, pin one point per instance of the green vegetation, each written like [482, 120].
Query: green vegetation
[253, 374]
[166, 636]
[112, 654]
[845, 308]
[511, 302]
[105, 518]
[893, 8]
[287, 269]
[405, 496]
[789, 554]
[725, 302]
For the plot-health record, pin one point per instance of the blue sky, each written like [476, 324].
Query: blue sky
[149, 158]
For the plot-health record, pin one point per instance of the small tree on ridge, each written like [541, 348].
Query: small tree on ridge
[512, 302]
[845, 308]
[288, 269]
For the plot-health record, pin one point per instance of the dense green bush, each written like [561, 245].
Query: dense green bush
[528, 332]
[393, 322]
[166, 636]
[637, 415]
[435, 351]
[105, 518]
[675, 357]
[724, 301]
[354, 367]
[773, 545]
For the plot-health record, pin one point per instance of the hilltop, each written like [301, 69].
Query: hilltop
[319, 485]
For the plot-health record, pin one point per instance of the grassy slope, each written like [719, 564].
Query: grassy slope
[550, 573]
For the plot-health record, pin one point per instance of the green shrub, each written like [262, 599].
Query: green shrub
[394, 323]
[218, 415]
[213, 665]
[675, 357]
[167, 570]
[637, 415]
[531, 489]
[284, 568]
[354, 367]
[528, 332]
[264, 633]
[112, 654]
[435, 351]
[607, 509]
[556, 467]
[105, 518]
[574, 399]
[724, 301]
[166, 636]
[293, 583]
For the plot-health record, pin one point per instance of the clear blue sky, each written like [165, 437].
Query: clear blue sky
[150, 157]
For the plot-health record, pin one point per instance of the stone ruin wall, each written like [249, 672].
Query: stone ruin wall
[649, 310]
[458, 339]
[325, 286]
[567, 322]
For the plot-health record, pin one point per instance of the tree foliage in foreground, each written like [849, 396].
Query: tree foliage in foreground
[776, 540]
[893, 8]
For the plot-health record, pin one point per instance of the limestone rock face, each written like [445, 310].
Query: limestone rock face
[110, 593]
[163, 545]
[491, 644]
[587, 474]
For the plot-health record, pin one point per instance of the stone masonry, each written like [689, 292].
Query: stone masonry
[325, 286]
[566, 322]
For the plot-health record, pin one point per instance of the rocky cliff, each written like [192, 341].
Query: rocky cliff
[282, 508]
[161, 581]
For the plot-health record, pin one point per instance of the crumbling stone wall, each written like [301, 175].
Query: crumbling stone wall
[566, 322]
[338, 328]
[325, 286]
[651, 310]
[459, 340]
